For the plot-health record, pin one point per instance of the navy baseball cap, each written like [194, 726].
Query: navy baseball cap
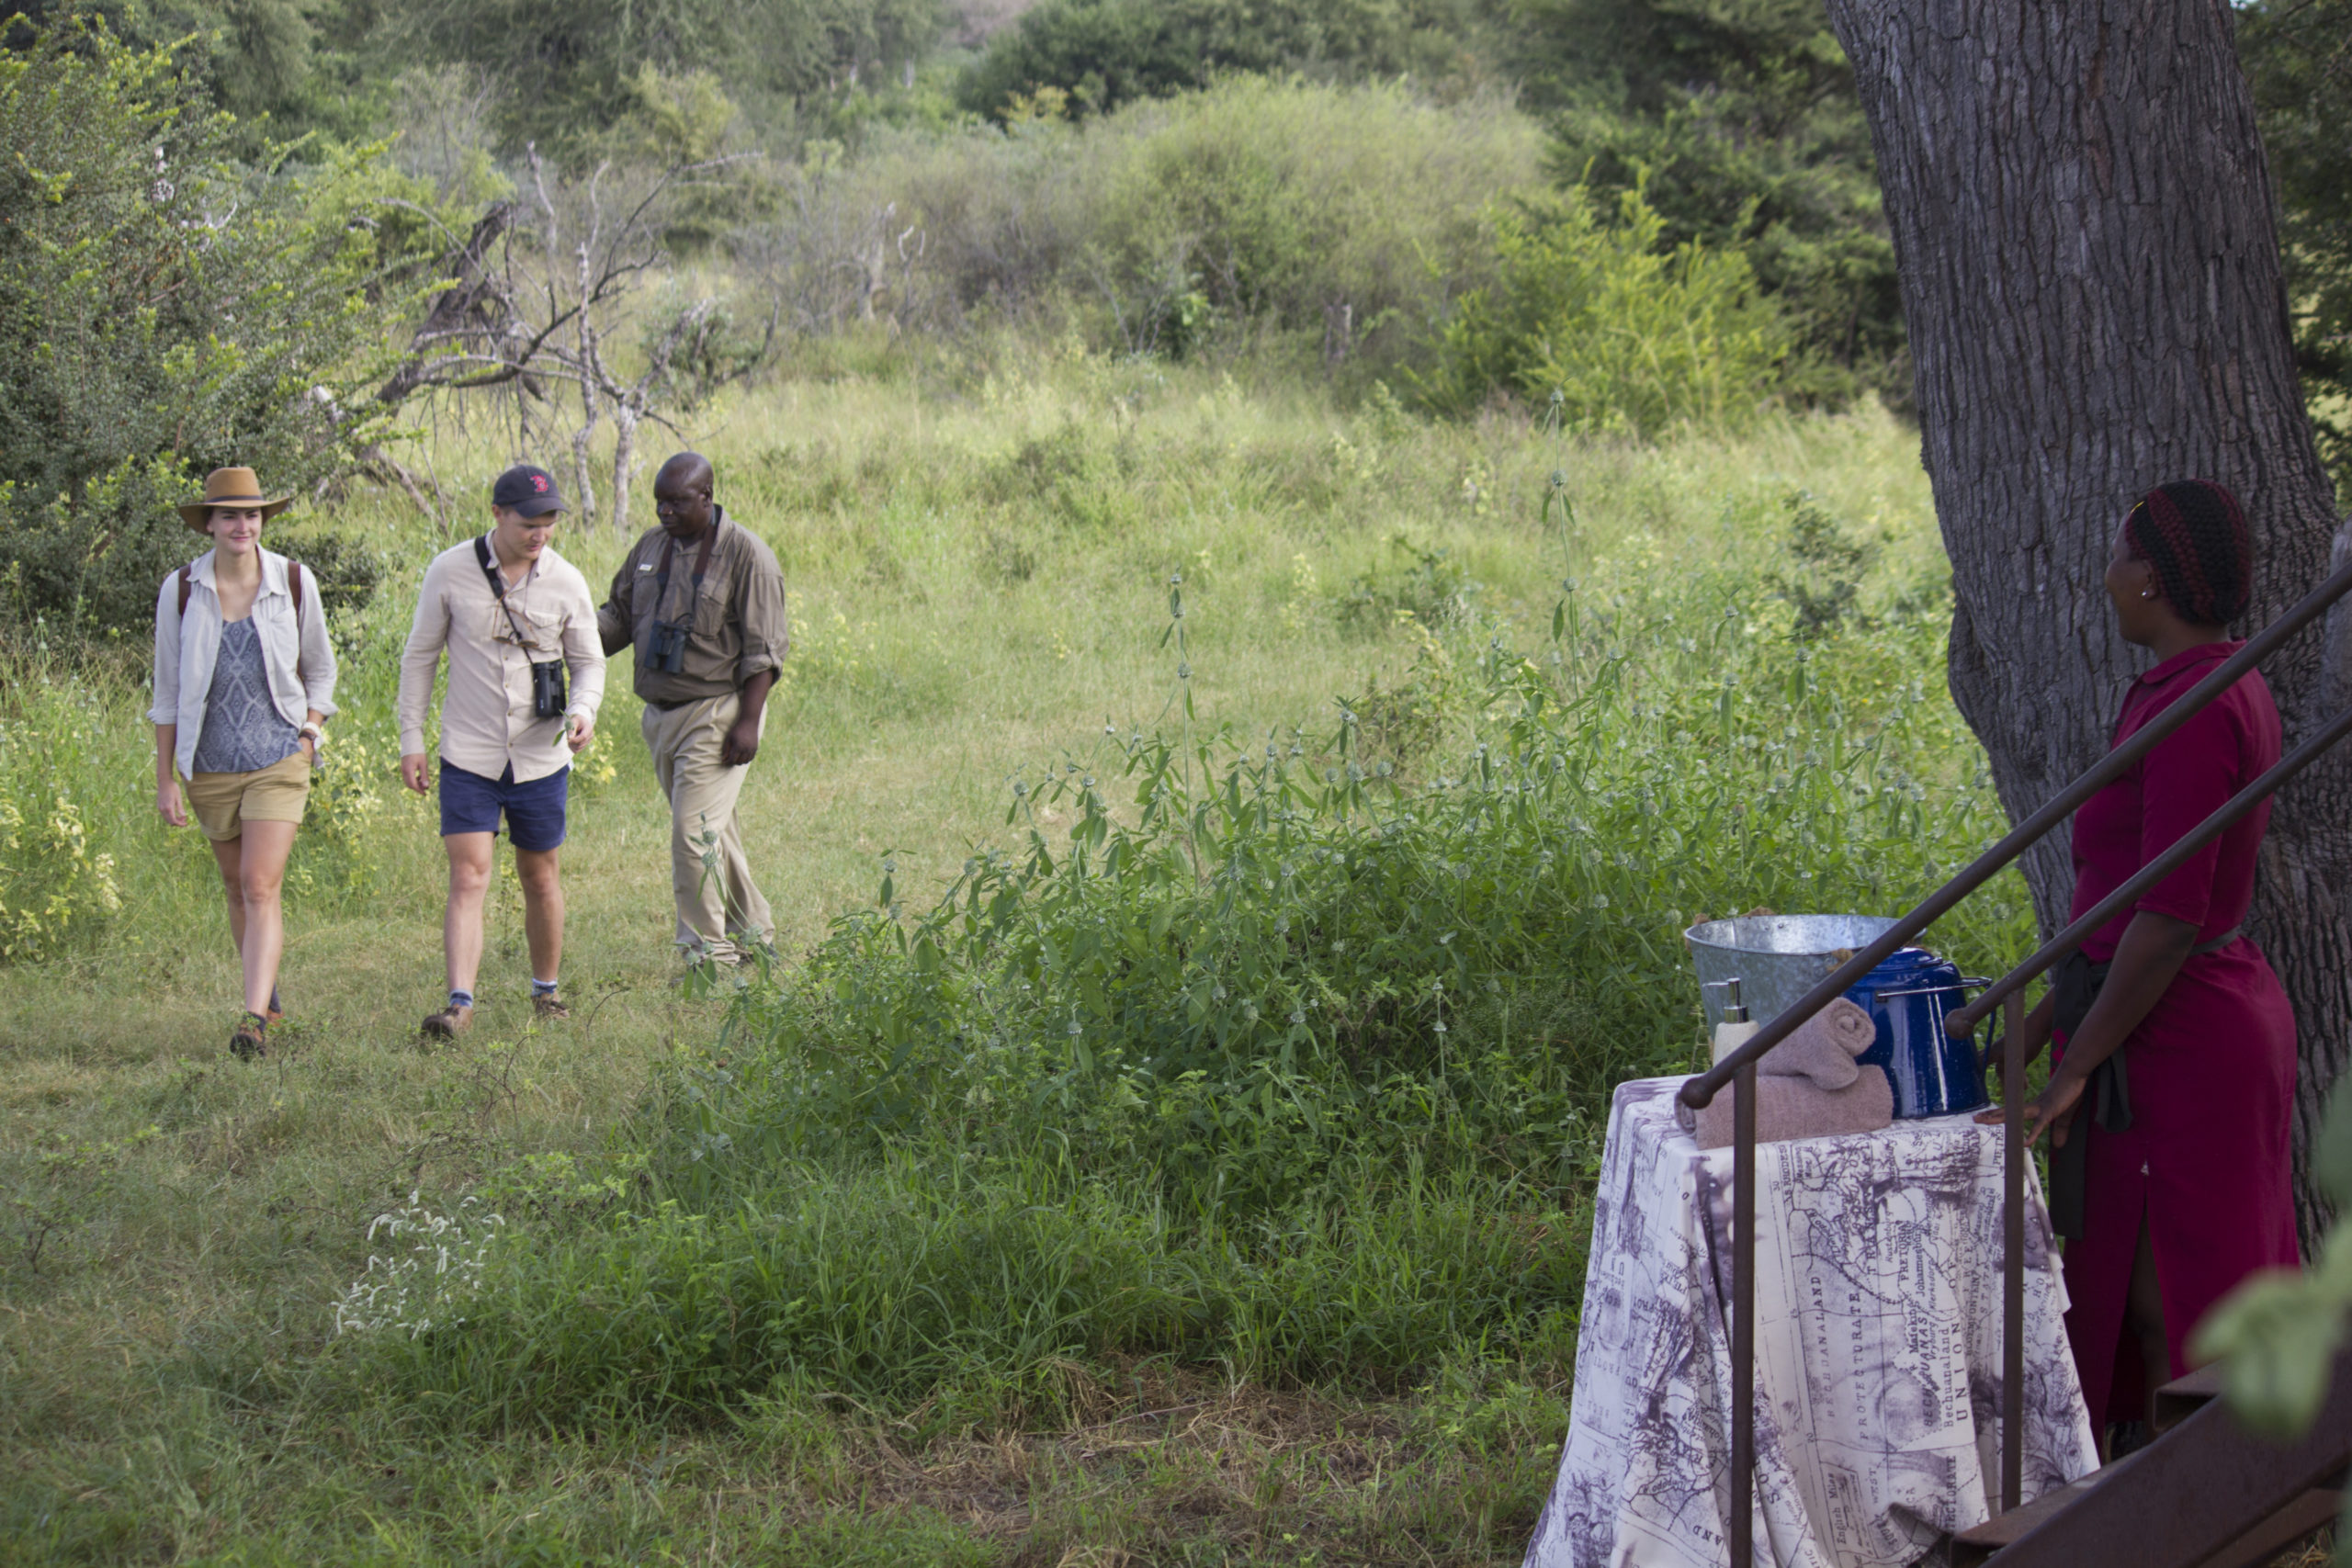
[527, 490]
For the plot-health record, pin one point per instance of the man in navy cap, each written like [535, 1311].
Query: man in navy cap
[527, 674]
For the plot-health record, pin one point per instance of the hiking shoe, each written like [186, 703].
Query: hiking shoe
[276, 1013]
[550, 1006]
[447, 1023]
[247, 1044]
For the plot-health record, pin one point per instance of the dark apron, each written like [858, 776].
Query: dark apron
[2107, 1097]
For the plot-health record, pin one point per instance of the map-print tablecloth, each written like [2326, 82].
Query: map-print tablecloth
[1877, 1295]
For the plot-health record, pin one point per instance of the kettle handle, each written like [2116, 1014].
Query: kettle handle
[1966, 982]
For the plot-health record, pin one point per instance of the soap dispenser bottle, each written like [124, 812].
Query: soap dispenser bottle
[1733, 1030]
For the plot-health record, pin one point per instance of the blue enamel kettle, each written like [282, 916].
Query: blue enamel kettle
[1907, 996]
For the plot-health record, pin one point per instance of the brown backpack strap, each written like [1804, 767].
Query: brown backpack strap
[184, 586]
[294, 581]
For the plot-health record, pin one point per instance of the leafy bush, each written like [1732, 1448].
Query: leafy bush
[1254, 204]
[1806, 218]
[1829, 564]
[1418, 584]
[1295, 928]
[1613, 331]
[162, 312]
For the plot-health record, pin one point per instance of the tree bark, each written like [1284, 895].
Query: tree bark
[2089, 263]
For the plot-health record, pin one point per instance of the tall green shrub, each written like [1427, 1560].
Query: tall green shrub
[1601, 318]
[58, 888]
[1252, 203]
[162, 311]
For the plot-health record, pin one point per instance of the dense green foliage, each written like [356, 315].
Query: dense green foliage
[1615, 333]
[560, 74]
[564, 68]
[1740, 125]
[293, 63]
[1102, 53]
[2299, 59]
[163, 310]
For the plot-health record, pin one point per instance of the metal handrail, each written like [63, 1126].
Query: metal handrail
[1739, 1068]
[1961, 1021]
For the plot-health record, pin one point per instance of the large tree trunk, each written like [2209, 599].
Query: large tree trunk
[2083, 223]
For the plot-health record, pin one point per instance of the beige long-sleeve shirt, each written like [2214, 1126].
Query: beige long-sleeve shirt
[487, 725]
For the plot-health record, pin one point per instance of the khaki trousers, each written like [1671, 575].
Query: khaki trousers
[720, 911]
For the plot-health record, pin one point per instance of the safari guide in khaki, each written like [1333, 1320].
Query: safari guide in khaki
[702, 599]
[245, 682]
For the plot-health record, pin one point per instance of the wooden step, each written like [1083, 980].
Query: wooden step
[1975, 1545]
[2175, 1401]
[2311, 1511]
[2183, 1398]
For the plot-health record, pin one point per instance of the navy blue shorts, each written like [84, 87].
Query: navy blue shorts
[470, 803]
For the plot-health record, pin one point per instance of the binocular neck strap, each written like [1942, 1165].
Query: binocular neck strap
[701, 564]
[498, 588]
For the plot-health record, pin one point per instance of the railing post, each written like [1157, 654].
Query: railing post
[2013, 1250]
[1743, 1317]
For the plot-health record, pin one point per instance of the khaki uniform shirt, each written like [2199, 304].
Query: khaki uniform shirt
[487, 725]
[739, 628]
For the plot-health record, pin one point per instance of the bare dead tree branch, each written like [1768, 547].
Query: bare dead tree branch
[539, 289]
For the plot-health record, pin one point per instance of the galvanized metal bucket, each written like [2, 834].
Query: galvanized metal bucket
[1777, 958]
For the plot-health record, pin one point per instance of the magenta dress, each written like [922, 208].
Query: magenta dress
[2212, 1066]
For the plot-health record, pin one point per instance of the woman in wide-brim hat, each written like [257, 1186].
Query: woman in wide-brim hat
[244, 680]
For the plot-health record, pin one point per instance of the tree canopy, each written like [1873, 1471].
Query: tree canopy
[165, 309]
[2298, 58]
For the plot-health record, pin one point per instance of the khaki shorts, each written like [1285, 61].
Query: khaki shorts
[224, 803]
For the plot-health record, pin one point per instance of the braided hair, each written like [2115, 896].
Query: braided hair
[2195, 535]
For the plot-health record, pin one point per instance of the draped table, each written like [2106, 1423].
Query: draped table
[1878, 1349]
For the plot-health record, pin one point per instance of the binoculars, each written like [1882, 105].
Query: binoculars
[548, 689]
[665, 651]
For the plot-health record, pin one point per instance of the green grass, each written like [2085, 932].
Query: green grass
[1025, 1355]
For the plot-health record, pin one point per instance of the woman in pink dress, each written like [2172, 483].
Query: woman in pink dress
[2188, 1046]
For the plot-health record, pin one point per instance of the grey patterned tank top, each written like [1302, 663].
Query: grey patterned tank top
[242, 728]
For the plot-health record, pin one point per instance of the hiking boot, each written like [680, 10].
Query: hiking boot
[248, 1043]
[447, 1023]
[276, 1013]
[550, 1006]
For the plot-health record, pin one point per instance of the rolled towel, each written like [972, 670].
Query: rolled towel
[1792, 1108]
[1824, 1047]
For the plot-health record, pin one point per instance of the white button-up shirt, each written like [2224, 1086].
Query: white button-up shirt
[294, 649]
[487, 725]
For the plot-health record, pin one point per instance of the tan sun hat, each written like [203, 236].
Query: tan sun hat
[231, 487]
